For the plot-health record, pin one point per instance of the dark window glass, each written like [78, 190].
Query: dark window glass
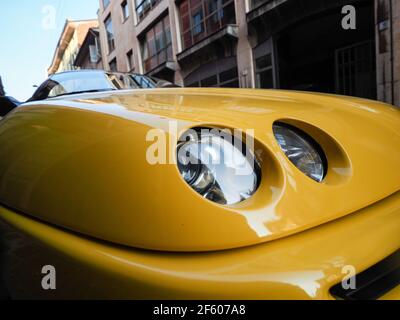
[264, 62]
[264, 71]
[227, 15]
[217, 73]
[228, 79]
[231, 84]
[209, 82]
[265, 79]
[256, 3]
[129, 59]
[110, 34]
[160, 38]
[200, 18]
[113, 65]
[156, 45]
[228, 75]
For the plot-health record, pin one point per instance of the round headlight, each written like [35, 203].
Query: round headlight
[302, 150]
[215, 165]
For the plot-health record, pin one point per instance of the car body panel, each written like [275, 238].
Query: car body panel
[81, 164]
[302, 266]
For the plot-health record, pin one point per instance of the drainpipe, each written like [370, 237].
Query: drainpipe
[391, 49]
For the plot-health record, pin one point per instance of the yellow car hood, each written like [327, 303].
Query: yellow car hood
[80, 163]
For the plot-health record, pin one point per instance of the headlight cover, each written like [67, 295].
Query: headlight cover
[302, 150]
[219, 168]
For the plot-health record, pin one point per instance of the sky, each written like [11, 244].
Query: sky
[29, 32]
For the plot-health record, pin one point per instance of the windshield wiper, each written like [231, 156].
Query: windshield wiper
[83, 91]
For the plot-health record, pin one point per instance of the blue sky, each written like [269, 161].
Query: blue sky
[29, 38]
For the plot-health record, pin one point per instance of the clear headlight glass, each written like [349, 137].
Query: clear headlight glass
[217, 167]
[302, 150]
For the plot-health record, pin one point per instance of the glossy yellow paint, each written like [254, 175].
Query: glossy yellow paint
[81, 164]
[301, 266]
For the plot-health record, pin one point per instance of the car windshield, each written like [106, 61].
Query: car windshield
[76, 82]
[70, 83]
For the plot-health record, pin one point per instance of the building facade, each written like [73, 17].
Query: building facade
[71, 40]
[89, 54]
[288, 44]
[387, 38]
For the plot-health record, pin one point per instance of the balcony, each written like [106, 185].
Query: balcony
[204, 19]
[227, 33]
[160, 58]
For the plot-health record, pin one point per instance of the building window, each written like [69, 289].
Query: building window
[156, 45]
[106, 3]
[94, 53]
[264, 72]
[198, 23]
[201, 18]
[257, 3]
[222, 73]
[355, 70]
[264, 65]
[143, 7]
[110, 34]
[129, 61]
[113, 65]
[125, 10]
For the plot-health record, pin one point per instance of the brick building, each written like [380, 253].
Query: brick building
[289, 44]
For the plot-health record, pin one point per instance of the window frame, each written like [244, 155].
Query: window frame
[113, 61]
[215, 74]
[148, 52]
[125, 10]
[129, 59]
[262, 51]
[198, 30]
[110, 41]
[145, 10]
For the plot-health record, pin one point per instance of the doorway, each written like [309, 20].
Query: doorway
[317, 54]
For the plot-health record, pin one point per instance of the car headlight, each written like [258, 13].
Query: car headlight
[215, 165]
[302, 150]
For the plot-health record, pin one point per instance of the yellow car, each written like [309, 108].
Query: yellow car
[106, 193]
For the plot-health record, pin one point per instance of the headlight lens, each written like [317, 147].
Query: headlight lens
[215, 167]
[303, 151]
